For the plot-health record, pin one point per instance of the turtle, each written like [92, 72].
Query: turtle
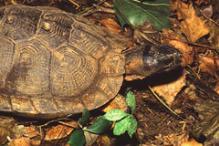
[54, 63]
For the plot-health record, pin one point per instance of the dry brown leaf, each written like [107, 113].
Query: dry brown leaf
[90, 138]
[209, 64]
[6, 124]
[199, 2]
[60, 131]
[170, 90]
[103, 140]
[190, 24]
[3, 135]
[191, 142]
[214, 36]
[23, 141]
[175, 40]
[117, 103]
[31, 132]
[111, 24]
[174, 139]
[216, 89]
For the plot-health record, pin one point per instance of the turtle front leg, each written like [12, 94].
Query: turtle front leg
[144, 62]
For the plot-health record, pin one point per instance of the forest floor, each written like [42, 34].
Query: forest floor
[178, 108]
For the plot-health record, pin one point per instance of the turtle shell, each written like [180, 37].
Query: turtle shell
[53, 63]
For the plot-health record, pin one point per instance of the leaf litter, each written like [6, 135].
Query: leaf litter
[183, 27]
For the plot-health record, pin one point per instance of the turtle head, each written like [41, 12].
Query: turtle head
[144, 62]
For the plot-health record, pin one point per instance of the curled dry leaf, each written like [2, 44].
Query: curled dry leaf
[209, 64]
[111, 24]
[191, 142]
[191, 25]
[23, 141]
[117, 103]
[170, 90]
[171, 38]
[60, 131]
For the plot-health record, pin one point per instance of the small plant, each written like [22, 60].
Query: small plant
[136, 12]
[122, 122]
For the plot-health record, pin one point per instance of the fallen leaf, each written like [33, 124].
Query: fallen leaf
[170, 90]
[23, 141]
[199, 2]
[90, 138]
[174, 139]
[60, 131]
[190, 24]
[214, 36]
[171, 38]
[31, 132]
[103, 140]
[191, 142]
[4, 133]
[6, 124]
[34, 135]
[111, 24]
[208, 11]
[217, 88]
[117, 103]
[209, 64]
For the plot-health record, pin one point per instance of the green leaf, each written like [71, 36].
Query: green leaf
[131, 102]
[85, 117]
[77, 138]
[128, 124]
[115, 115]
[136, 12]
[132, 126]
[99, 126]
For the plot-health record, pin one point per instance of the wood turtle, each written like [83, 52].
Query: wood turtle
[53, 63]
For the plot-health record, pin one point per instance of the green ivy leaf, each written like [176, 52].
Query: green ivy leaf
[128, 124]
[77, 138]
[132, 126]
[130, 100]
[136, 12]
[99, 126]
[85, 117]
[115, 115]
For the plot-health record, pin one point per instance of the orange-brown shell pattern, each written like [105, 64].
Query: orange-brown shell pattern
[53, 63]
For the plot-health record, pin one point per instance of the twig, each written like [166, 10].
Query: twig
[66, 124]
[148, 39]
[163, 103]
[53, 121]
[209, 19]
[191, 70]
[91, 9]
[201, 85]
[195, 44]
[74, 3]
